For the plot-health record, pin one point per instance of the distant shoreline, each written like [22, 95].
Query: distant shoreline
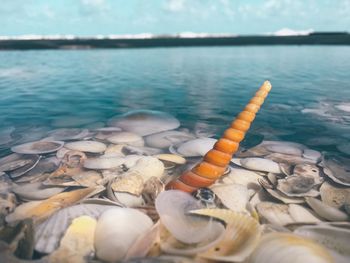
[317, 38]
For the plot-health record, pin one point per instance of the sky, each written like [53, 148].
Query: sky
[106, 17]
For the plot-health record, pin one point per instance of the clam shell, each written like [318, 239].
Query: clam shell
[312, 154]
[114, 151]
[103, 163]
[325, 211]
[130, 182]
[334, 195]
[258, 164]
[185, 228]
[289, 248]
[39, 147]
[241, 236]
[49, 233]
[126, 138]
[17, 165]
[86, 146]
[167, 138]
[289, 159]
[301, 214]
[117, 229]
[78, 241]
[145, 122]
[337, 168]
[36, 191]
[273, 213]
[128, 200]
[297, 186]
[242, 177]
[193, 148]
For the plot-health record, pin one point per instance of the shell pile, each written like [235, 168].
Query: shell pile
[98, 195]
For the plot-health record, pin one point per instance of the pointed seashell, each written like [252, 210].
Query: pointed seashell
[186, 228]
[334, 238]
[301, 214]
[49, 233]
[196, 147]
[39, 147]
[117, 229]
[241, 236]
[233, 196]
[284, 198]
[103, 163]
[167, 138]
[289, 248]
[328, 212]
[126, 138]
[333, 195]
[297, 186]
[259, 164]
[273, 213]
[77, 243]
[86, 146]
[36, 191]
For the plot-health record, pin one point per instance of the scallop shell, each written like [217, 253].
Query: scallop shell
[185, 228]
[289, 248]
[77, 243]
[126, 138]
[86, 146]
[167, 138]
[39, 147]
[333, 195]
[103, 163]
[241, 236]
[117, 229]
[325, 211]
[258, 164]
[145, 122]
[36, 191]
[49, 233]
[193, 148]
[114, 151]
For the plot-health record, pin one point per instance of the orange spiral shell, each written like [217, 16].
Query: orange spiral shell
[216, 161]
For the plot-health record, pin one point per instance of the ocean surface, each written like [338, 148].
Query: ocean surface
[203, 87]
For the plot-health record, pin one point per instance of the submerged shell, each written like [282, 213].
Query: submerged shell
[186, 228]
[333, 195]
[16, 165]
[273, 213]
[196, 147]
[148, 167]
[289, 248]
[297, 186]
[337, 168]
[39, 147]
[248, 178]
[102, 163]
[86, 146]
[130, 182]
[126, 138]
[301, 214]
[241, 236]
[66, 134]
[36, 191]
[49, 233]
[117, 229]
[167, 138]
[145, 122]
[258, 164]
[328, 212]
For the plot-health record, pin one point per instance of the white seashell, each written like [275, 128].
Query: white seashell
[284, 149]
[114, 151]
[117, 229]
[167, 138]
[243, 177]
[16, 165]
[334, 238]
[297, 186]
[196, 147]
[49, 233]
[337, 168]
[334, 196]
[130, 182]
[86, 146]
[312, 154]
[259, 164]
[325, 211]
[289, 248]
[126, 138]
[38, 147]
[289, 159]
[62, 152]
[102, 163]
[273, 213]
[148, 167]
[145, 122]
[129, 200]
[185, 228]
[173, 158]
[301, 214]
[260, 196]
[130, 160]
[36, 191]
[233, 196]
[284, 198]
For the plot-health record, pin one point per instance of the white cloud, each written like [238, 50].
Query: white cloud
[175, 5]
[89, 7]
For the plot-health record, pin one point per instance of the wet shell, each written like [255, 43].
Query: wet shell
[334, 195]
[284, 149]
[297, 186]
[242, 177]
[86, 146]
[312, 154]
[39, 147]
[241, 236]
[289, 248]
[88, 178]
[126, 138]
[66, 134]
[284, 198]
[49, 233]
[117, 229]
[148, 167]
[173, 158]
[325, 211]
[77, 243]
[36, 191]
[273, 213]
[17, 165]
[258, 164]
[130, 182]
[114, 151]
[337, 168]
[309, 170]
[196, 147]
[185, 228]
[167, 138]
[103, 163]
[301, 214]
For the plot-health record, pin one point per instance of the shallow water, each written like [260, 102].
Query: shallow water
[209, 85]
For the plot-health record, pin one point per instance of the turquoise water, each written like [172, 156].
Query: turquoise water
[309, 102]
